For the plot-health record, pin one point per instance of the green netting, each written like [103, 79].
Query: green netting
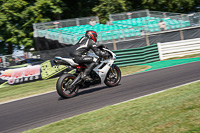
[135, 56]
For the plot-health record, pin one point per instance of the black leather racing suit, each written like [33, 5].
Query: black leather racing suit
[80, 50]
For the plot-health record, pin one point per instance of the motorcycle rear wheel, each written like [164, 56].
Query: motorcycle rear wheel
[113, 77]
[63, 86]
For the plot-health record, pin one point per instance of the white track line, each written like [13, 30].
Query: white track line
[26, 97]
[157, 92]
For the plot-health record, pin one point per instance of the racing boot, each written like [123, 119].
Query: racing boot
[87, 71]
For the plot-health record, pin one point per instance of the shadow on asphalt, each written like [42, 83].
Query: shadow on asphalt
[87, 91]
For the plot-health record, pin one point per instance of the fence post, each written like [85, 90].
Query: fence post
[114, 45]
[123, 34]
[77, 22]
[4, 61]
[148, 13]
[35, 34]
[147, 39]
[60, 37]
[97, 19]
[181, 35]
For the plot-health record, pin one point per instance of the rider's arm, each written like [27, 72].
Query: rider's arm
[99, 52]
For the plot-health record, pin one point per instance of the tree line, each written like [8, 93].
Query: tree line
[17, 16]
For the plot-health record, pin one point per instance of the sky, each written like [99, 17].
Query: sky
[18, 52]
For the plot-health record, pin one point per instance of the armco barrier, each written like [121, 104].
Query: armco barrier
[135, 56]
[178, 48]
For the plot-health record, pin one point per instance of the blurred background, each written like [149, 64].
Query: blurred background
[39, 30]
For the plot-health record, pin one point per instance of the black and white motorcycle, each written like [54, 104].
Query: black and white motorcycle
[105, 72]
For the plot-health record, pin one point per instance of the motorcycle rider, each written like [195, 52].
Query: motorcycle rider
[82, 47]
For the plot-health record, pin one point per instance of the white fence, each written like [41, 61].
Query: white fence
[178, 48]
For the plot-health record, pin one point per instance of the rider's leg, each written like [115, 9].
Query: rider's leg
[90, 64]
[87, 71]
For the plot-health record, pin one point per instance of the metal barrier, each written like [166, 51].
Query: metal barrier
[6, 61]
[149, 20]
[135, 56]
[123, 26]
[193, 18]
[11, 60]
[178, 48]
[40, 29]
[129, 15]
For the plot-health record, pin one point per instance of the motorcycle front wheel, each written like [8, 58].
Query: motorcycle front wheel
[63, 86]
[113, 77]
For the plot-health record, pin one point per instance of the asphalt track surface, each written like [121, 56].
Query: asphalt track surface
[33, 112]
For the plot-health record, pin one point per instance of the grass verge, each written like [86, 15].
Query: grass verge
[174, 110]
[133, 69]
[11, 92]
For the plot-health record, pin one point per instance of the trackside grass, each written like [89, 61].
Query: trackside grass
[173, 111]
[133, 69]
[11, 92]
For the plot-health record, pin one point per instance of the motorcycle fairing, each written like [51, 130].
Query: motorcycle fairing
[102, 71]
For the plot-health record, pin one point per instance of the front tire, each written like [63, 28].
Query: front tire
[63, 86]
[113, 77]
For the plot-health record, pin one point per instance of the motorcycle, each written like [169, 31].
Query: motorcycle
[106, 71]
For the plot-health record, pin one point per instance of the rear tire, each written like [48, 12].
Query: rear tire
[113, 77]
[62, 86]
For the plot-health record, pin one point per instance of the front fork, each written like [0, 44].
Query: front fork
[112, 71]
[111, 68]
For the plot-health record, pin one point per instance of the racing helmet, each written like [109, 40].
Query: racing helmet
[92, 35]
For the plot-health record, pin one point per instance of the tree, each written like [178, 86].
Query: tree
[134, 5]
[181, 6]
[17, 17]
[107, 7]
[79, 8]
[3, 49]
[10, 17]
